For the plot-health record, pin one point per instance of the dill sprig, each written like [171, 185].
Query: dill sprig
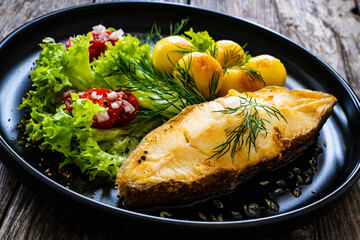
[252, 73]
[213, 86]
[167, 94]
[164, 84]
[252, 123]
[233, 57]
[143, 77]
[177, 28]
[155, 31]
[174, 29]
[183, 50]
[213, 51]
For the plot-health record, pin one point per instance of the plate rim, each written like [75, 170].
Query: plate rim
[119, 212]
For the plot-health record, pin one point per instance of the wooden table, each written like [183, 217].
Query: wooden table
[328, 28]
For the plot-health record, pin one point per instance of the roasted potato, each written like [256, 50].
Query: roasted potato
[168, 51]
[271, 69]
[240, 81]
[227, 52]
[203, 69]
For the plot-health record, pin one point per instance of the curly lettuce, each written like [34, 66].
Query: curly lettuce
[130, 48]
[77, 141]
[96, 152]
[202, 41]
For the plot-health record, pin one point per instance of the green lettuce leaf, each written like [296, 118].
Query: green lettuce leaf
[201, 40]
[77, 67]
[97, 152]
[105, 66]
[58, 70]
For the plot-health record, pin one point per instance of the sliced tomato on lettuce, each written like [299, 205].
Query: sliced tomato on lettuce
[99, 38]
[121, 105]
[130, 108]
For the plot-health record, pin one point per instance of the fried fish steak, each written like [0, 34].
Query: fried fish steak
[171, 165]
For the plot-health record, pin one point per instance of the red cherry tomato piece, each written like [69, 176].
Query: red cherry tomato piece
[122, 106]
[107, 99]
[95, 93]
[69, 43]
[130, 107]
[97, 44]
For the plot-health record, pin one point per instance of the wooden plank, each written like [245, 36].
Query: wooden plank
[7, 185]
[13, 14]
[261, 12]
[343, 221]
[356, 9]
[31, 217]
[169, 1]
[330, 29]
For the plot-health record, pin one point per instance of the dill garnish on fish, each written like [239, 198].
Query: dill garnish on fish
[252, 123]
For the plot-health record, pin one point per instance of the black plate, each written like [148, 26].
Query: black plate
[338, 167]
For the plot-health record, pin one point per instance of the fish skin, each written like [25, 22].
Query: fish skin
[171, 165]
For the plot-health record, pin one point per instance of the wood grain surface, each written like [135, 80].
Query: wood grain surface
[328, 28]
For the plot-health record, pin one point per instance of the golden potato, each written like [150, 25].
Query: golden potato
[238, 80]
[166, 52]
[271, 69]
[228, 52]
[202, 68]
